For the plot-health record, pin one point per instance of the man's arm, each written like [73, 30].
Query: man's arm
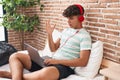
[53, 45]
[82, 61]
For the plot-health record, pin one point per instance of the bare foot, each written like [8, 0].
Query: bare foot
[5, 74]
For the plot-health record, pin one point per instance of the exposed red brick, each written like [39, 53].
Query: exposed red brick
[114, 5]
[101, 20]
[92, 28]
[111, 10]
[119, 44]
[112, 16]
[108, 21]
[117, 38]
[91, 1]
[96, 24]
[118, 54]
[92, 10]
[97, 34]
[92, 19]
[93, 37]
[108, 1]
[98, 5]
[108, 51]
[109, 32]
[107, 41]
[116, 27]
[95, 15]
[114, 48]
[112, 57]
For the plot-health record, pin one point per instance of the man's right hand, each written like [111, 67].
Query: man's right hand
[49, 29]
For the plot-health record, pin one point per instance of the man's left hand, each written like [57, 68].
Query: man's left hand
[51, 61]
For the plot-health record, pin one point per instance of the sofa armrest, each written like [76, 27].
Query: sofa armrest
[111, 72]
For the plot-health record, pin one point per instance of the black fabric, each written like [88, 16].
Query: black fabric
[5, 51]
[64, 71]
[34, 67]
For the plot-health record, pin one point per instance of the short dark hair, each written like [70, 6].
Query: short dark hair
[72, 10]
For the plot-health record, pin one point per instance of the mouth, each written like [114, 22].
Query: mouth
[70, 25]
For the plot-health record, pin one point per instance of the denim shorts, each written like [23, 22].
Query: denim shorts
[64, 71]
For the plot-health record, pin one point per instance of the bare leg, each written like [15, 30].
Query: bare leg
[47, 73]
[17, 62]
[51, 73]
[5, 74]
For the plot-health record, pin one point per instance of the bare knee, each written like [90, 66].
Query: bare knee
[23, 58]
[47, 75]
[13, 57]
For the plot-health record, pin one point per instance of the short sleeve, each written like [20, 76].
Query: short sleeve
[86, 43]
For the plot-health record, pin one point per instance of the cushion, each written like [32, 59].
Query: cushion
[94, 62]
[6, 50]
[47, 52]
[77, 77]
[112, 72]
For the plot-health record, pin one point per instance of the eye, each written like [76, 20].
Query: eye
[71, 18]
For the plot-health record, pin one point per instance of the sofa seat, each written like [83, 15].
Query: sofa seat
[44, 53]
[90, 72]
[71, 77]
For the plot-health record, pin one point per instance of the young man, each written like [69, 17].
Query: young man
[72, 49]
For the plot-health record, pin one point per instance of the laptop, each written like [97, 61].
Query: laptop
[34, 55]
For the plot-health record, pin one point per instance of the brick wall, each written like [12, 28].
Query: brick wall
[102, 20]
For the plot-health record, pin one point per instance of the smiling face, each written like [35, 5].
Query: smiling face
[74, 22]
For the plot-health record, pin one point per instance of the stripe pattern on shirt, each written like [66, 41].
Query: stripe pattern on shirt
[72, 43]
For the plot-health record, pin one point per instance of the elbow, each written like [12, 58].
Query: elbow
[84, 63]
[53, 50]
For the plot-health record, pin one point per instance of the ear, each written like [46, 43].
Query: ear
[81, 18]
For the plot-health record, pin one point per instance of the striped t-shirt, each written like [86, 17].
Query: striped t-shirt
[72, 42]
